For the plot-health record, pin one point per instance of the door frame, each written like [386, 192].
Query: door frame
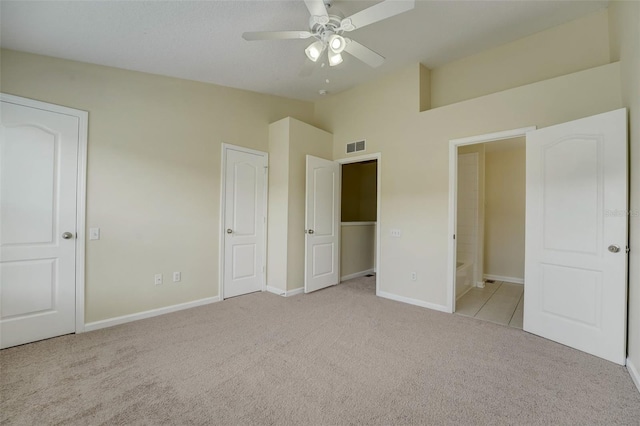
[221, 229]
[359, 159]
[81, 192]
[453, 203]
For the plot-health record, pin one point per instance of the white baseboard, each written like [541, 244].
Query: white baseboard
[633, 372]
[513, 280]
[285, 293]
[357, 275]
[416, 302]
[276, 290]
[97, 325]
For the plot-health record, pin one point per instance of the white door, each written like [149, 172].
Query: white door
[576, 234]
[245, 215]
[38, 175]
[322, 228]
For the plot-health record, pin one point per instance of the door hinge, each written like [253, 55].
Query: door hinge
[627, 249]
[454, 236]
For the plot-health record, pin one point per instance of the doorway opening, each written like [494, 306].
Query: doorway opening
[487, 190]
[359, 214]
[490, 231]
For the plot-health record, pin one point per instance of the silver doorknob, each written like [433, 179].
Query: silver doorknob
[311, 231]
[67, 235]
[229, 231]
[614, 248]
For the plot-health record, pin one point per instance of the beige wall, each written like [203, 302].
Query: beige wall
[577, 45]
[625, 38]
[278, 204]
[505, 210]
[415, 150]
[153, 172]
[359, 191]
[357, 249]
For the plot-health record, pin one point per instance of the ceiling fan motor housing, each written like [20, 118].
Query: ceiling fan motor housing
[320, 25]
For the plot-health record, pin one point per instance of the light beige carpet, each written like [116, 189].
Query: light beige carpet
[337, 356]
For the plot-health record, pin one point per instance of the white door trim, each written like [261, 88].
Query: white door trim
[81, 190]
[359, 159]
[221, 229]
[453, 194]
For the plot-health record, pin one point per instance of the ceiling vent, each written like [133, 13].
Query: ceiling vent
[355, 147]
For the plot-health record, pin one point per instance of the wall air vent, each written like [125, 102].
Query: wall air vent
[355, 147]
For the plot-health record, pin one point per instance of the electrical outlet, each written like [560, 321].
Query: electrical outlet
[414, 276]
[177, 276]
[158, 279]
[396, 233]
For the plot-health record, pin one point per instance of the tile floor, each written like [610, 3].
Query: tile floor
[499, 302]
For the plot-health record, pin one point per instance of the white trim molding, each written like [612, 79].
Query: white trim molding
[285, 293]
[634, 373]
[81, 192]
[357, 275]
[492, 137]
[512, 280]
[276, 290]
[110, 322]
[453, 191]
[410, 301]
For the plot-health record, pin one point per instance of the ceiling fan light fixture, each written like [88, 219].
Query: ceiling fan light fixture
[314, 50]
[337, 43]
[334, 59]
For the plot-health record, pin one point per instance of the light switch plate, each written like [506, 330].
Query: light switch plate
[94, 233]
[396, 233]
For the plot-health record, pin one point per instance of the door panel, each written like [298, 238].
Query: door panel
[38, 172]
[245, 213]
[322, 235]
[575, 288]
[31, 158]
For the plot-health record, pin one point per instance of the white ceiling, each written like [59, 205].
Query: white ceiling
[203, 40]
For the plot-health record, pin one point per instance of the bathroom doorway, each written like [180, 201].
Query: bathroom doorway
[490, 230]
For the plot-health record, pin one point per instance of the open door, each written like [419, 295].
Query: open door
[322, 225]
[576, 234]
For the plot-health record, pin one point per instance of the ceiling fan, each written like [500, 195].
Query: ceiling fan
[328, 28]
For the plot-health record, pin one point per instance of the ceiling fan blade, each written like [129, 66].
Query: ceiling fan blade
[316, 7]
[307, 68]
[275, 35]
[363, 53]
[375, 13]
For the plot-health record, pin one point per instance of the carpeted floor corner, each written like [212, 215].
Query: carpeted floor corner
[337, 356]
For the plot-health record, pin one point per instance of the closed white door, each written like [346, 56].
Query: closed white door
[38, 175]
[576, 234]
[244, 220]
[322, 228]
